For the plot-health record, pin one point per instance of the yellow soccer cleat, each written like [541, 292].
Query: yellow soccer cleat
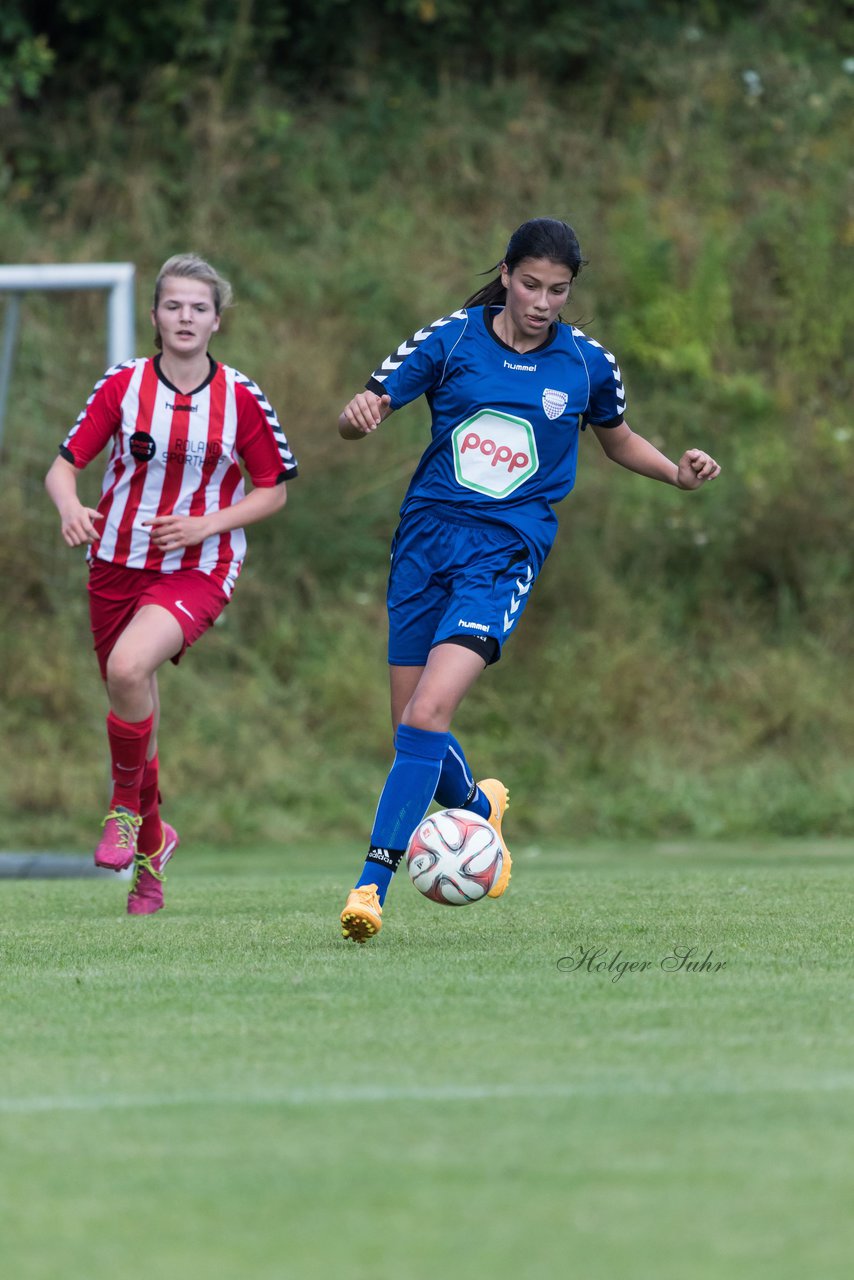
[362, 916]
[499, 800]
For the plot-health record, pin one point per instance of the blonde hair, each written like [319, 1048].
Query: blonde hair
[188, 266]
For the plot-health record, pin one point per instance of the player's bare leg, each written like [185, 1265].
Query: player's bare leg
[450, 672]
[152, 637]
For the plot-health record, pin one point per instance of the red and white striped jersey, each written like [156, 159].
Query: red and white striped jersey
[176, 454]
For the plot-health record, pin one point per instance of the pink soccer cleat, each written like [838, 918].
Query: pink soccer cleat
[146, 894]
[117, 846]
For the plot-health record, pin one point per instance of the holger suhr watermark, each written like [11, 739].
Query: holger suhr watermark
[677, 960]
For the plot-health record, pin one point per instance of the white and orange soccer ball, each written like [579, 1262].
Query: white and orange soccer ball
[454, 857]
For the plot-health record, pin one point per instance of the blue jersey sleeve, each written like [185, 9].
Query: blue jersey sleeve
[419, 364]
[606, 406]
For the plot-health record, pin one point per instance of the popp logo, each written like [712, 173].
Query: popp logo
[494, 453]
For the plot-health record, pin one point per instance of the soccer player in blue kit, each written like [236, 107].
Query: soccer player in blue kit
[510, 386]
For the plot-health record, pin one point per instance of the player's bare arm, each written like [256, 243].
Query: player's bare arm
[169, 533]
[76, 521]
[363, 415]
[636, 453]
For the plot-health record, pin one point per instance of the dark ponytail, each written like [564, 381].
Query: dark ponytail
[539, 238]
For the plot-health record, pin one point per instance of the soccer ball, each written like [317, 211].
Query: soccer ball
[454, 857]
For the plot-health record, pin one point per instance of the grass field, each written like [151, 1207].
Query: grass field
[230, 1091]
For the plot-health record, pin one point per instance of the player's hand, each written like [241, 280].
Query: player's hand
[78, 525]
[171, 533]
[365, 412]
[696, 467]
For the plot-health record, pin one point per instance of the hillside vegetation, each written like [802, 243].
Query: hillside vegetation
[683, 668]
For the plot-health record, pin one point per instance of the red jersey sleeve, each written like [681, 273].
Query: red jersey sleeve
[100, 419]
[260, 440]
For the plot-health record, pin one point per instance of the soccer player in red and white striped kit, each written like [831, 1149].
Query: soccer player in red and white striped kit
[166, 541]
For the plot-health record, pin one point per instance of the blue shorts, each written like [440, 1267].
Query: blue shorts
[468, 583]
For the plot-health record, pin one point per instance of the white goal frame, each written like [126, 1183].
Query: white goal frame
[116, 277]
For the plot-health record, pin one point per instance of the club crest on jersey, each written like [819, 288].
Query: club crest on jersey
[554, 403]
[494, 453]
[142, 446]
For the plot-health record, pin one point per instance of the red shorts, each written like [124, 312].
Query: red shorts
[116, 593]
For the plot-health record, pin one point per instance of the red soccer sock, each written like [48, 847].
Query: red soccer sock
[151, 831]
[128, 748]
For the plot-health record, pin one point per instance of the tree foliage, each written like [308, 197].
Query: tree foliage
[683, 661]
[26, 57]
[330, 44]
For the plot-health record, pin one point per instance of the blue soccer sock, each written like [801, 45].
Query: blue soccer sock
[457, 788]
[405, 799]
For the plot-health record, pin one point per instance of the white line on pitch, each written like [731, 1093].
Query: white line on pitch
[347, 1096]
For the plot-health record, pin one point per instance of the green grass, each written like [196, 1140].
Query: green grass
[229, 1090]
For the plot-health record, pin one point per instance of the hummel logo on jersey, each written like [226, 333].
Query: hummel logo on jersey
[554, 403]
[522, 368]
[183, 408]
[179, 604]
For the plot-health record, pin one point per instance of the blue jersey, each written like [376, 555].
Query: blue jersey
[505, 428]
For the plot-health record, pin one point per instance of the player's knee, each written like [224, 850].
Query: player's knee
[426, 711]
[126, 673]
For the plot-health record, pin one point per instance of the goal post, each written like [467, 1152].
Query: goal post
[117, 278]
